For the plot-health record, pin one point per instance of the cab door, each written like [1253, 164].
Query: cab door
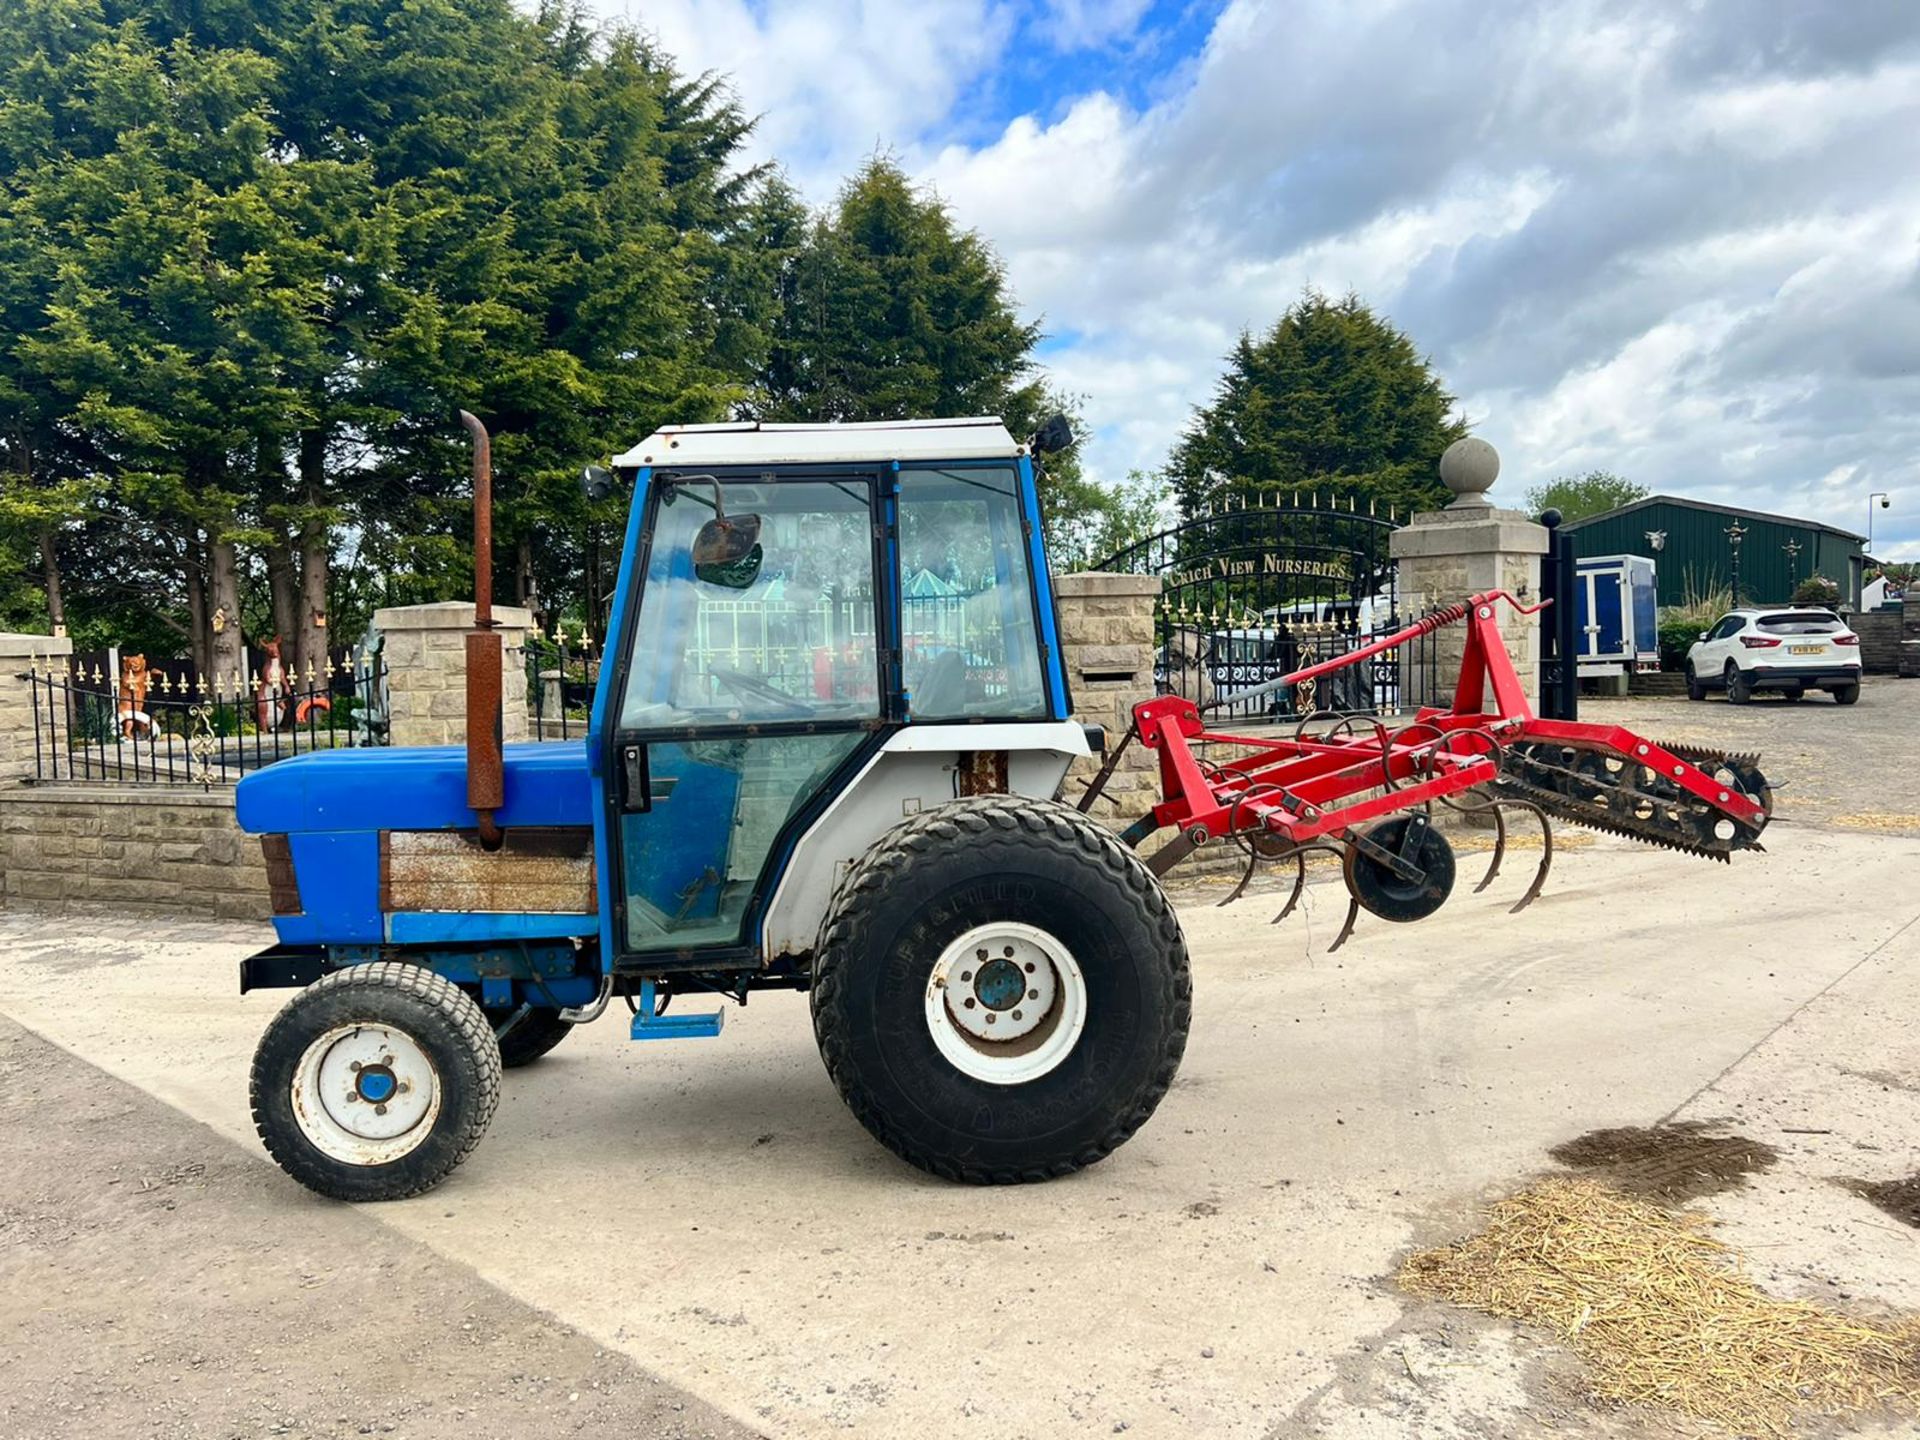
[751, 690]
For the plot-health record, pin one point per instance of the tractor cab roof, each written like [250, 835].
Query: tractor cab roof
[750, 442]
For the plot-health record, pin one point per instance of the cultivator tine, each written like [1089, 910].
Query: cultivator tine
[1499, 849]
[1299, 858]
[1253, 859]
[1346, 930]
[1299, 887]
[1486, 806]
[1546, 851]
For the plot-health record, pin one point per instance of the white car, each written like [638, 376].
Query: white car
[1789, 649]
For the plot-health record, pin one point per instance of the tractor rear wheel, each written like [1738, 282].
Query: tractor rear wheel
[526, 1039]
[1001, 991]
[374, 1082]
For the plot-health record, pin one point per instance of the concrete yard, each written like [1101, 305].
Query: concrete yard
[695, 1237]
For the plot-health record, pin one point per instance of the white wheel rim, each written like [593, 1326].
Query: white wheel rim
[365, 1094]
[1006, 1003]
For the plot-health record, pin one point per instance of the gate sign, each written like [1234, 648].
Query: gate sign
[1251, 594]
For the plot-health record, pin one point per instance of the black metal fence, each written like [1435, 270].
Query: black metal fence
[1267, 585]
[165, 724]
[561, 671]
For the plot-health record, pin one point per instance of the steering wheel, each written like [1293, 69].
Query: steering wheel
[754, 688]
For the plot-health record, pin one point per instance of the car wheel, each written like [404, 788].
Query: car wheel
[1695, 690]
[1739, 691]
[1846, 694]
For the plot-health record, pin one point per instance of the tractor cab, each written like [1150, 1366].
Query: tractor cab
[793, 601]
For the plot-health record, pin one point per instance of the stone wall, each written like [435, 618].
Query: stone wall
[1106, 633]
[425, 647]
[170, 850]
[1880, 633]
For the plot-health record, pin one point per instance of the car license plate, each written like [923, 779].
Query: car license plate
[1806, 649]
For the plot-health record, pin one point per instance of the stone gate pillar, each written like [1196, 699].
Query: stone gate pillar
[17, 654]
[1106, 640]
[425, 650]
[1470, 547]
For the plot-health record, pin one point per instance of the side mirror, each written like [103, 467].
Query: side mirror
[596, 482]
[726, 552]
[1053, 435]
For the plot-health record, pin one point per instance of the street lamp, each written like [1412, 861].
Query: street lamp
[1736, 532]
[1792, 547]
[1886, 502]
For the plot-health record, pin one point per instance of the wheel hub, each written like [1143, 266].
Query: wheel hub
[365, 1094]
[1006, 1002]
[1000, 985]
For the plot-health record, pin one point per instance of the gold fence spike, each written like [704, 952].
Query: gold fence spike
[312, 679]
[97, 676]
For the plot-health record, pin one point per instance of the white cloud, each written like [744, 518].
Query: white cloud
[1628, 242]
[1083, 24]
[1680, 242]
[832, 80]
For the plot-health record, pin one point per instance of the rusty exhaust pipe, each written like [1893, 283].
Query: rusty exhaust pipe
[486, 757]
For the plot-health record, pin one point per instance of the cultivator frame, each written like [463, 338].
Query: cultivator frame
[1283, 798]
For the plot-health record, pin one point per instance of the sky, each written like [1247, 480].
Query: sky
[1678, 240]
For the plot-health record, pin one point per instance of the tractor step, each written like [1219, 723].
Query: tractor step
[650, 1024]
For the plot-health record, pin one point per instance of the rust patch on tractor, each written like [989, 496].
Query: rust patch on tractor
[545, 870]
[983, 772]
[1899, 1198]
[1667, 1163]
[283, 886]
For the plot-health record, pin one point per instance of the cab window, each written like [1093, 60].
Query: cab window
[785, 633]
[970, 642]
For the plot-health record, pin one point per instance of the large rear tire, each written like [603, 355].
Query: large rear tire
[1739, 689]
[375, 1082]
[1001, 991]
[1846, 694]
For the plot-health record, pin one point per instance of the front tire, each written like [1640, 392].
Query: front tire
[375, 1082]
[1001, 907]
[1695, 690]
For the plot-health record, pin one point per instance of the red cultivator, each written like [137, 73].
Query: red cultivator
[1354, 788]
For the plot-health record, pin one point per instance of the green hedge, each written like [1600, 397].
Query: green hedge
[1676, 638]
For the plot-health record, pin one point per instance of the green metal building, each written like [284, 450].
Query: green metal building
[1692, 551]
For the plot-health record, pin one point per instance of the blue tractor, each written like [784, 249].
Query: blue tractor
[826, 744]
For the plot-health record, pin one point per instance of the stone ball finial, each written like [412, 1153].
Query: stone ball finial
[1468, 468]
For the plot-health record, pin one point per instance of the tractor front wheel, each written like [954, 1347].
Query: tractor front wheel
[374, 1082]
[1001, 991]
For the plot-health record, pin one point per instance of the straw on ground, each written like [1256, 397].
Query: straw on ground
[1663, 1315]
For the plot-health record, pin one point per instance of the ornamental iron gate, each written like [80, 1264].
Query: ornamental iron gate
[1268, 584]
